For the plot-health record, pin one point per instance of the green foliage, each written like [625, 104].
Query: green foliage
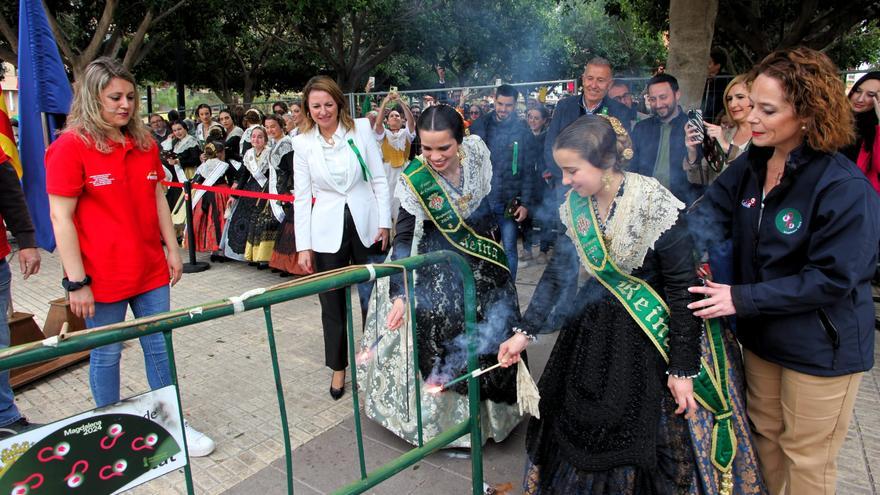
[615, 30]
[352, 37]
[242, 50]
[478, 42]
[748, 30]
[860, 46]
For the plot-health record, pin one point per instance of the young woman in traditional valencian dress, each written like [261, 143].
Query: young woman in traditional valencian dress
[453, 177]
[209, 207]
[619, 408]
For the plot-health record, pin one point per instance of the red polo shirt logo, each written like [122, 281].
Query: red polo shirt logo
[101, 180]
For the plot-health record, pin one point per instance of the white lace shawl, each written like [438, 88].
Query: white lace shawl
[212, 170]
[181, 146]
[200, 133]
[280, 148]
[257, 166]
[477, 177]
[644, 212]
[236, 131]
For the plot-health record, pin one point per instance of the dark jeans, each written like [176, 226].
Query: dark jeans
[333, 318]
[509, 229]
[8, 410]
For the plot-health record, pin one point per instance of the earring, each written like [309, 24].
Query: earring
[803, 127]
[606, 182]
[460, 155]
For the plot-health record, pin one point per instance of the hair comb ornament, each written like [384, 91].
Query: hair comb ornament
[627, 153]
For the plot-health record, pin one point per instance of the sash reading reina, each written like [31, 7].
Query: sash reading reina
[648, 309]
[423, 182]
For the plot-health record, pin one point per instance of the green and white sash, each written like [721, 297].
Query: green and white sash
[651, 313]
[437, 205]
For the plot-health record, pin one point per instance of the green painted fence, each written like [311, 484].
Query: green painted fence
[166, 323]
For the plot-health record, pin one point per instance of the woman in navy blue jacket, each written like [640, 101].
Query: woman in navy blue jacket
[805, 229]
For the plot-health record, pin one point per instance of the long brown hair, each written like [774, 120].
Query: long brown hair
[85, 118]
[329, 86]
[813, 87]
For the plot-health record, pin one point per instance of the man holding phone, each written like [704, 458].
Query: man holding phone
[659, 142]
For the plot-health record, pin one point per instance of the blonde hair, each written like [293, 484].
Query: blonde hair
[329, 86]
[740, 79]
[213, 149]
[85, 118]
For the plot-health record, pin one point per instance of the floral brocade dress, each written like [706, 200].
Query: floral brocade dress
[254, 177]
[388, 377]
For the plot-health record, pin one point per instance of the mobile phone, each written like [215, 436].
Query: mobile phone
[497, 82]
[695, 120]
[393, 89]
[372, 81]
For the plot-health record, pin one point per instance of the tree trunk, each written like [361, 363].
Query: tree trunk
[691, 27]
[248, 90]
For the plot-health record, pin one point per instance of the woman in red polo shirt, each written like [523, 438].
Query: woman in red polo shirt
[106, 202]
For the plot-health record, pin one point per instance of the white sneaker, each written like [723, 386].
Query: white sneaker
[198, 444]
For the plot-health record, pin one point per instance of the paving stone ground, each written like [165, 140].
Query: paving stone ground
[228, 392]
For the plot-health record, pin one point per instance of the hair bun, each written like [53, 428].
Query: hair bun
[624, 143]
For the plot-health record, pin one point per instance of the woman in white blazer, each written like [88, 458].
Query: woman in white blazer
[336, 160]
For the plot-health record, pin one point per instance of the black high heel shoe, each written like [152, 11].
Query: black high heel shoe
[337, 393]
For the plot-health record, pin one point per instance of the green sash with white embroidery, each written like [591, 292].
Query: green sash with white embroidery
[437, 205]
[651, 313]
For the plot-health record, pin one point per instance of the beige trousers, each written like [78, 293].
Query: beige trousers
[800, 423]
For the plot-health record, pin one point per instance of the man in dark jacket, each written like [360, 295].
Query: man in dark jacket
[508, 139]
[658, 142]
[14, 212]
[596, 79]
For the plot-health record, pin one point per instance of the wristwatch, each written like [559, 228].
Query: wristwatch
[75, 286]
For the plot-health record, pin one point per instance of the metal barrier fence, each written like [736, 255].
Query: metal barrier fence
[339, 279]
[636, 84]
[557, 89]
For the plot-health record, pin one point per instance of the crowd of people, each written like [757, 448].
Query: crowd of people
[709, 272]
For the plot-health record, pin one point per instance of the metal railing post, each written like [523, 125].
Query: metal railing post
[354, 385]
[417, 373]
[279, 390]
[172, 367]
